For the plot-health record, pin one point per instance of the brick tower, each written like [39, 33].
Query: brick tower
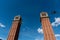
[14, 32]
[47, 27]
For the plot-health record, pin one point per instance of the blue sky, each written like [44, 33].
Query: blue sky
[30, 11]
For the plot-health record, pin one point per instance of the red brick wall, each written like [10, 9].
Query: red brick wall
[47, 29]
[14, 32]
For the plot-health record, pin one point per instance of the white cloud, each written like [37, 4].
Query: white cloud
[56, 22]
[2, 38]
[40, 30]
[39, 38]
[36, 39]
[57, 35]
[1, 25]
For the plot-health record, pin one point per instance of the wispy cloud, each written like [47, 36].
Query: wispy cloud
[36, 39]
[2, 38]
[2, 25]
[57, 35]
[39, 38]
[56, 22]
[40, 30]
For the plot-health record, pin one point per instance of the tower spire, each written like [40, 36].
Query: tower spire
[14, 31]
[47, 27]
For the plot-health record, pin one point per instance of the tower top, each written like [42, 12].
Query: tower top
[43, 14]
[18, 17]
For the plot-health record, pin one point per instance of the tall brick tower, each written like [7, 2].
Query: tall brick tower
[47, 27]
[14, 32]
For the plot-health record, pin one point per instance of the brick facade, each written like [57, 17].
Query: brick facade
[47, 27]
[14, 32]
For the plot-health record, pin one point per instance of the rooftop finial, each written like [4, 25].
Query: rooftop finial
[44, 14]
